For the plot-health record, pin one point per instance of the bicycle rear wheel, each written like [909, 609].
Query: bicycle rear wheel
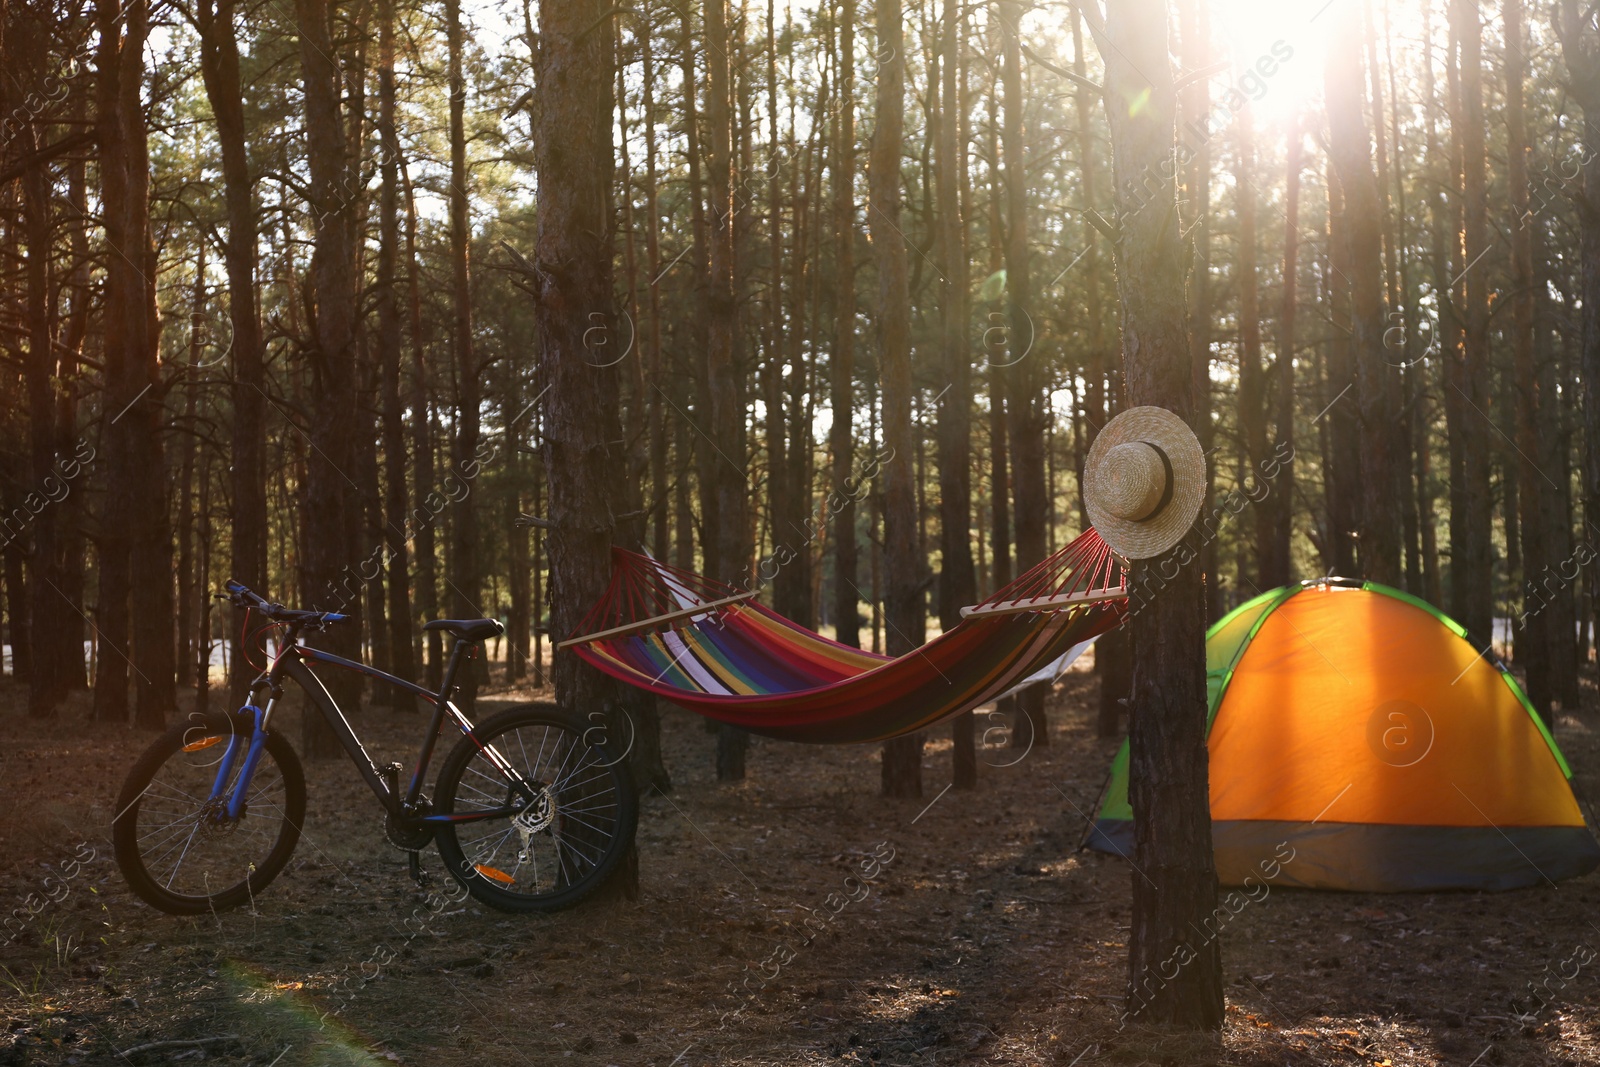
[560, 847]
[178, 849]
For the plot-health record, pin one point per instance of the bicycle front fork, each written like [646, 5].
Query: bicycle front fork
[232, 801]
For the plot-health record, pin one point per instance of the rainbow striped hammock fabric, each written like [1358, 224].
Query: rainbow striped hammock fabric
[708, 647]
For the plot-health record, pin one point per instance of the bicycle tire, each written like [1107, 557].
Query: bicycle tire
[589, 820]
[188, 753]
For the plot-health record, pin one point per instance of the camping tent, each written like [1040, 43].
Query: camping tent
[1358, 740]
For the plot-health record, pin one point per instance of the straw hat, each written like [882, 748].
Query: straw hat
[1144, 481]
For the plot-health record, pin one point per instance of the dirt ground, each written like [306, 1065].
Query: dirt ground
[986, 939]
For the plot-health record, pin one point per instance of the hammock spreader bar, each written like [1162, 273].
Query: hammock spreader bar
[712, 649]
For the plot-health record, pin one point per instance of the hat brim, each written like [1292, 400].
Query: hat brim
[1145, 538]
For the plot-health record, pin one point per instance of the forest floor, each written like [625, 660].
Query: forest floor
[985, 940]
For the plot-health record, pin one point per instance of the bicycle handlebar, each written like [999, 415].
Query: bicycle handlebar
[241, 596]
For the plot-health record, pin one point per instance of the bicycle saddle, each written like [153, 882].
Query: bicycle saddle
[467, 629]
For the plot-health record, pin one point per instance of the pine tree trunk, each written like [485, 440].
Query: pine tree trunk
[396, 498]
[466, 581]
[1174, 881]
[1026, 372]
[572, 152]
[1536, 649]
[1358, 232]
[52, 652]
[1340, 399]
[136, 594]
[1277, 567]
[957, 583]
[1466, 380]
[1252, 379]
[841, 437]
[331, 516]
[247, 469]
[904, 613]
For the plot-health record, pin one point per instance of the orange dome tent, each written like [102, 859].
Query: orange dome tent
[1359, 741]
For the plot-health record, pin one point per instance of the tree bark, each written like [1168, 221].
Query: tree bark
[466, 581]
[1252, 378]
[958, 584]
[396, 498]
[247, 471]
[904, 612]
[332, 518]
[1174, 881]
[726, 413]
[1466, 379]
[572, 151]
[1026, 411]
[136, 550]
[841, 437]
[1277, 567]
[1358, 230]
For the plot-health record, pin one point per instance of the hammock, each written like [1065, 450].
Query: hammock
[708, 647]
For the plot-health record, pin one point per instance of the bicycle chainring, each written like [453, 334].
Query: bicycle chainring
[407, 834]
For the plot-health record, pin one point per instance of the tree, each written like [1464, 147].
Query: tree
[1174, 881]
[1357, 229]
[135, 545]
[571, 279]
[332, 519]
[1466, 368]
[958, 584]
[904, 612]
[247, 469]
[395, 504]
[841, 439]
[465, 580]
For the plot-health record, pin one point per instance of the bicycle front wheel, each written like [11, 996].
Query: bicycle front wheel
[557, 848]
[178, 847]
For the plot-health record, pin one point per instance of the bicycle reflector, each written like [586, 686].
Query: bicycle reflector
[489, 872]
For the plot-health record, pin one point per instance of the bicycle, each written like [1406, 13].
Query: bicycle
[532, 812]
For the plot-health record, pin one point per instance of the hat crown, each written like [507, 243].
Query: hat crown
[1131, 480]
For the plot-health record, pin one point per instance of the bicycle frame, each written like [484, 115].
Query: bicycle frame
[291, 660]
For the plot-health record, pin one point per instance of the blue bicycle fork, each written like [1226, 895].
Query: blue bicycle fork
[234, 806]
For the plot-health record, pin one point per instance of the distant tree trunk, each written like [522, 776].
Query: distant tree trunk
[958, 584]
[1252, 379]
[902, 757]
[1446, 329]
[726, 412]
[1174, 880]
[1342, 457]
[52, 650]
[396, 498]
[427, 585]
[466, 581]
[657, 374]
[1026, 413]
[841, 439]
[331, 516]
[1536, 649]
[1580, 48]
[186, 469]
[1277, 567]
[17, 608]
[1111, 659]
[247, 468]
[1466, 379]
[136, 549]
[1359, 233]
